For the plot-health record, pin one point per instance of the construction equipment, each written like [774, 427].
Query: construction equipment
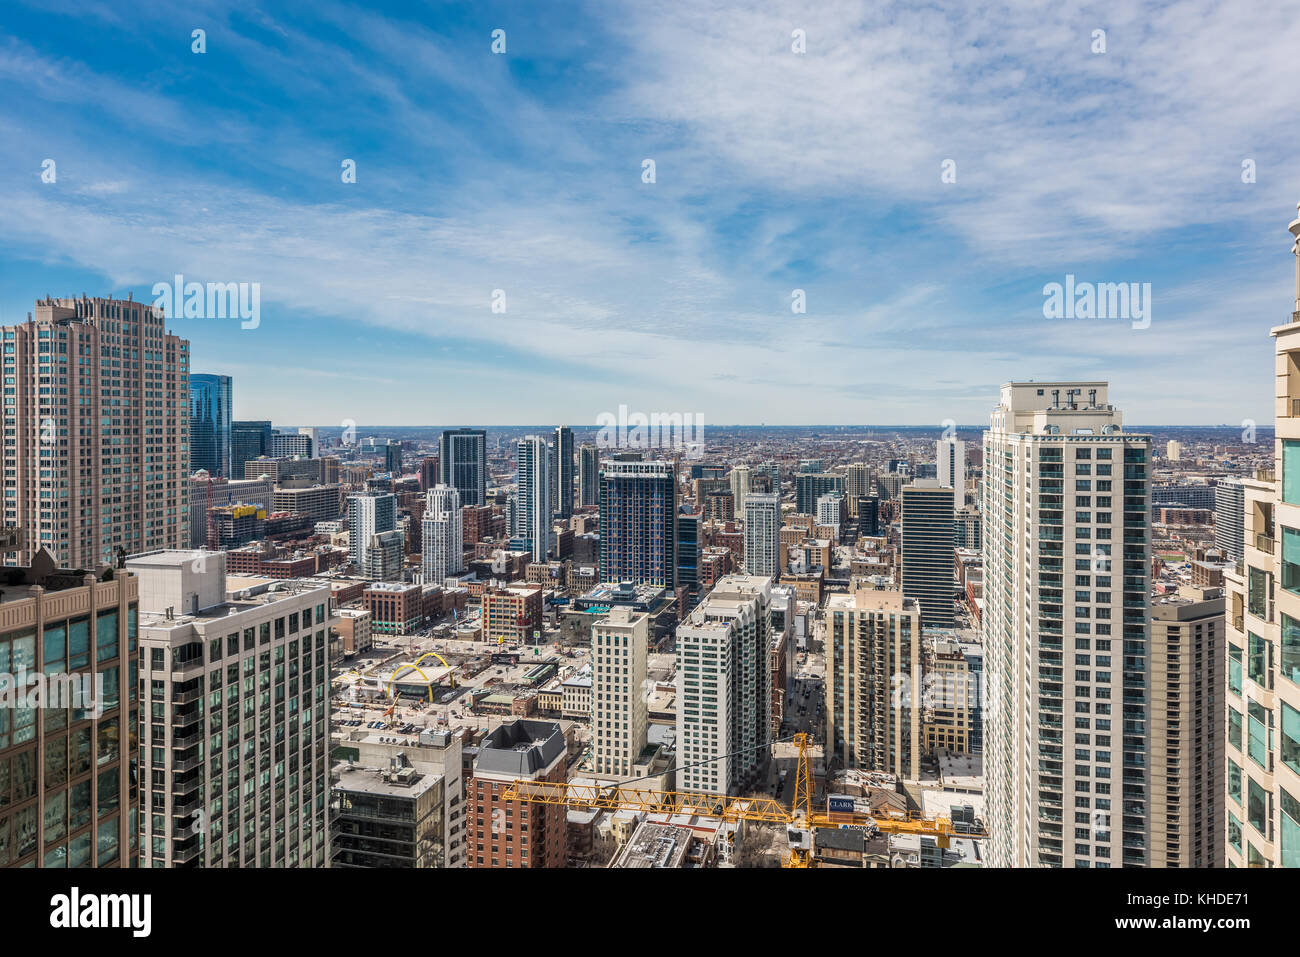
[800, 820]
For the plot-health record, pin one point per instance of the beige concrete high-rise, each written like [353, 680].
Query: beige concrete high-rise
[96, 420]
[1263, 648]
[1067, 565]
[740, 483]
[1186, 757]
[619, 716]
[857, 482]
[873, 679]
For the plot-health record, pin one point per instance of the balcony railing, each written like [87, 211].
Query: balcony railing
[1264, 543]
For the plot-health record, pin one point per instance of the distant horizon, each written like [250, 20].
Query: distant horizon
[759, 425]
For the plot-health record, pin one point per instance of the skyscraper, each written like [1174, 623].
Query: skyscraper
[1230, 519]
[724, 687]
[102, 462]
[638, 523]
[533, 499]
[762, 535]
[292, 444]
[393, 458]
[441, 535]
[462, 459]
[810, 486]
[428, 472]
[210, 424]
[369, 514]
[857, 482]
[874, 680]
[619, 716]
[739, 488]
[831, 512]
[1262, 711]
[1187, 750]
[588, 475]
[563, 491]
[248, 440]
[71, 773]
[1067, 564]
[950, 465]
[688, 550]
[927, 555]
[217, 670]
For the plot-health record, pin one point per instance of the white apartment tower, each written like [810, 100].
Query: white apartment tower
[441, 535]
[724, 687]
[533, 504]
[950, 467]
[739, 478]
[619, 716]
[1067, 561]
[762, 534]
[830, 509]
[96, 422]
[369, 514]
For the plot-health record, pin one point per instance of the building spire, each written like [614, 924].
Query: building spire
[1295, 249]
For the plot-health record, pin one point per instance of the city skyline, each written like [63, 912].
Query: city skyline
[913, 482]
[393, 277]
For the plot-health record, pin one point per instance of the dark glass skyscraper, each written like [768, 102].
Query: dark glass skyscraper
[810, 486]
[638, 523]
[462, 460]
[927, 555]
[248, 440]
[563, 486]
[588, 475]
[210, 430]
[688, 550]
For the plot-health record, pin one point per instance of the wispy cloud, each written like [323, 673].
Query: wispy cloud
[775, 171]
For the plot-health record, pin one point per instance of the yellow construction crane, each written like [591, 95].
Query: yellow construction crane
[800, 819]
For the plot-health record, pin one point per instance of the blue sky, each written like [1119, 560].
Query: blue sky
[775, 171]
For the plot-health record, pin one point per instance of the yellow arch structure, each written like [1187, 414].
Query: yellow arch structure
[452, 676]
[394, 675]
[415, 666]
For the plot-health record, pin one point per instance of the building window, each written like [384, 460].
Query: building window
[1290, 830]
[1289, 664]
[1290, 743]
[1258, 660]
[1234, 669]
[1257, 598]
[1291, 560]
[1234, 780]
[1260, 738]
[1291, 471]
[1257, 807]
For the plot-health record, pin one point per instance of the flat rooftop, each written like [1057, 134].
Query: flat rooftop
[287, 588]
[378, 781]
